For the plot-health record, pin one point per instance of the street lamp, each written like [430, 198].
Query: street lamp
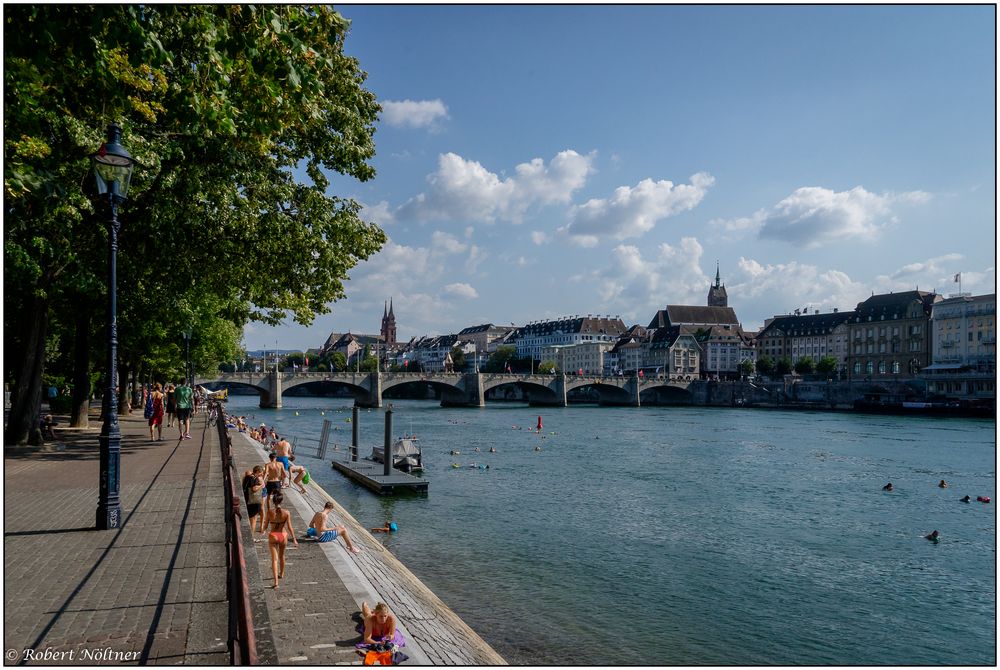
[113, 172]
[188, 334]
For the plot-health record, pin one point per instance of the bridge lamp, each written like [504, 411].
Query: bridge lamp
[113, 172]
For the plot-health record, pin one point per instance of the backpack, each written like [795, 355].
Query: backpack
[148, 412]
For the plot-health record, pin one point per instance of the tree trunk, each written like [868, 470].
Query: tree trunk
[80, 417]
[124, 398]
[22, 426]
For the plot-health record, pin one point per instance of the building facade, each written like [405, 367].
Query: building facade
[964, 353]
[813, 336]
[890, 336]
[585, 358]
[533, 337]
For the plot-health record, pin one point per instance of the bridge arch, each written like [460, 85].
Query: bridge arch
[535, 393]
[219, 384]
[665, 394]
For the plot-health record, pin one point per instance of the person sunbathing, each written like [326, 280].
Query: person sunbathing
[319, 531]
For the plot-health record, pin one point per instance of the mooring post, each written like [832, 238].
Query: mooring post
[354, 434]
[388, 443]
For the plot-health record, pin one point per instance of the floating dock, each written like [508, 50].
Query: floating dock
[372, 476]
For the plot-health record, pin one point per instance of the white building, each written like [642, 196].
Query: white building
[532, 338]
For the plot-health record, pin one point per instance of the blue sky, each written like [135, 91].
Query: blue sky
[540, 161]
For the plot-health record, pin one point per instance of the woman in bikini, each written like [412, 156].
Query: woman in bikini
[380, 624]
[277, 539]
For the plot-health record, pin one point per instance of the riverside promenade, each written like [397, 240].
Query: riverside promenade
[313, 614]
[150, 592]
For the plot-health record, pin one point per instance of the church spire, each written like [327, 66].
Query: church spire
[390, 308]
[385, 313]
[717, 274]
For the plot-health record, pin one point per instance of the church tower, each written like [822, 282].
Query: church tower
[388, 326]
[717, 294]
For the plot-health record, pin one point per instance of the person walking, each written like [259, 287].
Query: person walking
[184, 398]
[156, 419]
[279, 526]
[171, 405]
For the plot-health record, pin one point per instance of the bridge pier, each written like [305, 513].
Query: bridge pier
[560, 395]
[273, 397]
[471, 395]
[374, 399]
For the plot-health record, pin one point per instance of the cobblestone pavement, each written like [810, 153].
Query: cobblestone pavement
[150, 592]
[314, 611]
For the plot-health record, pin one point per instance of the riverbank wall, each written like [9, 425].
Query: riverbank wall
[311, 616]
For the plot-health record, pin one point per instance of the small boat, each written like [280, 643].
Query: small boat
[405, 455]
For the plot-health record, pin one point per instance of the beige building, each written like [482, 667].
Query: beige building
[890, 335]
[587, 357]
[798, 336]
[964, 355]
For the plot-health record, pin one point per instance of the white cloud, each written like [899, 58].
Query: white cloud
[447, 243]
[461, 290]
[380, 214]
[631, 212]
[464, 190]
[812, 216]
[413, 113]
[538, 237]
[924, 268]
[636, 287]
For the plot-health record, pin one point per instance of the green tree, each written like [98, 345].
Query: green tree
[221, 105]
[805, 366]
[500, 359]
[783, 366]
[826, 365]
[765, 366]
[546, 367]
[369, 364]
[746, 367]
[337, 361]
[458, 361]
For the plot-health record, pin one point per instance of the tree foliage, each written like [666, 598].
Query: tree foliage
[765, 365]
[826, 364]
[225, 107]
[805, 366]
[783, 366]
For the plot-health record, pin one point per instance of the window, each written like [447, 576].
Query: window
[895, 367]
[857, 368]
[868, 367]
[881, 367]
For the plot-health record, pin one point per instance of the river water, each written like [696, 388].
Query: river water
[688, 536]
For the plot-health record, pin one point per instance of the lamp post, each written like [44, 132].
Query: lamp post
[113, 172]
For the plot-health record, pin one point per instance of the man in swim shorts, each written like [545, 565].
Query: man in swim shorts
[282, 450]
[273, 474]
[321, 533]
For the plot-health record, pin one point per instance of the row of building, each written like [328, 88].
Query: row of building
[948, 342]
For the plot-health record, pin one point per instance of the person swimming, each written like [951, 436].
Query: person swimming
[942, 484]
[887, 487]
[966, 499]
[933, 537]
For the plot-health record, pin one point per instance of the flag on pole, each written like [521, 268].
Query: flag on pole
[958, 277]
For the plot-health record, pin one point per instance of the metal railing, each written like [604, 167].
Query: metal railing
[242, 641]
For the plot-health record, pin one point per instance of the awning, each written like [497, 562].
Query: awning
[944, 366]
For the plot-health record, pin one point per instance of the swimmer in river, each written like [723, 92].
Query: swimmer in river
[887, 487]
[493, 450]
[933, 537]
[943, 484]
[965, 499]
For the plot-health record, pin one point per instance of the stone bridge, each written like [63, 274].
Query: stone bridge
[458, 389]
